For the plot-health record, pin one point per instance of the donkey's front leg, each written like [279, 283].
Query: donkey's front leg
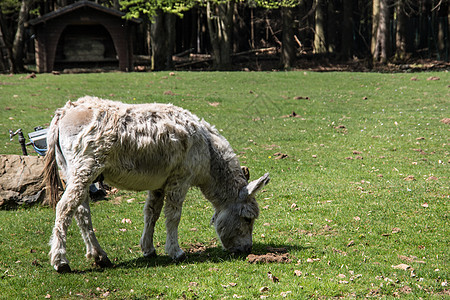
[152, 211]
[71, 199]
[172, 211]
[93, 249]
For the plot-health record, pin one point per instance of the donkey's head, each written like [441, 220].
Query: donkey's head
[234, 222]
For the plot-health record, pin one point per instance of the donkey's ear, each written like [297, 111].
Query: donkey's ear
[256, 185]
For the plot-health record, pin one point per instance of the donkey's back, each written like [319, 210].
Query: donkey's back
[136, 147]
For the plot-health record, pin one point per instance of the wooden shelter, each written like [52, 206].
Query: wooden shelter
[83, 35]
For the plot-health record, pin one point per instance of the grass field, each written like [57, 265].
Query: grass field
[358, 198]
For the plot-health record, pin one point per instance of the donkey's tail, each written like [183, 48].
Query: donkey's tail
[50, 173]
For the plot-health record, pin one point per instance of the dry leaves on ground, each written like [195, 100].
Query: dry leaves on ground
[280, 155]
[169, 93]
[292, 115]
[411, 259]
[272, 277]
[409, 178]
[269, 258]
[401, 266]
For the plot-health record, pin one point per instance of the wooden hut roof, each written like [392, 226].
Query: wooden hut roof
[76, 6]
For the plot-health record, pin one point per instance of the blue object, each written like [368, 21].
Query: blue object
[38, 139]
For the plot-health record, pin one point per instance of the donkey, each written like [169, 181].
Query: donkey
[156, 147]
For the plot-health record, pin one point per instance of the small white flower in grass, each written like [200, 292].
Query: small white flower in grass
[285, 294]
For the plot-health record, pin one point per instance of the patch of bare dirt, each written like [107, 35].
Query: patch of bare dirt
[269, 258]
[274, 255]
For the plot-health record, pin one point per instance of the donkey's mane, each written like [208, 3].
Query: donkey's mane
[227, 178]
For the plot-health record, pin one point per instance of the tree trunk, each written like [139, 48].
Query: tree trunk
[400, 33]
[320, 25]
[171, 35]
[288, 42]
[375, 25]
[381, 47]
[147, 28]
[347, 30]
[220, 19]
[240, 36]
[303, 25]
[6, 64]
[116, 4]
[162, 32]
[252, 29]
[19, 39]
[447, 57]
[440, 36]
[333, 27]
[60, 4]
[424, 35]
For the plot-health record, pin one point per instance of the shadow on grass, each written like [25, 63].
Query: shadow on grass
[198, 253]
[208, 254]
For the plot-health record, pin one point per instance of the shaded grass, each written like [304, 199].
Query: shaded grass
[345, 222]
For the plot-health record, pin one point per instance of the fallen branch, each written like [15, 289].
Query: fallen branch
[255, 51]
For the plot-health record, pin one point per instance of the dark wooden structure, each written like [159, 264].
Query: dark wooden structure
[83, 35]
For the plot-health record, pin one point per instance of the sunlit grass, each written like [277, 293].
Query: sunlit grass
[338, 201]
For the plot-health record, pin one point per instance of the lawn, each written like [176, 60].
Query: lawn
[358, 199]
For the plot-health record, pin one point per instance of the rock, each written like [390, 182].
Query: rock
[20, 180]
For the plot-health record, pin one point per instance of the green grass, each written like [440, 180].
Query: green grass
[337, 217]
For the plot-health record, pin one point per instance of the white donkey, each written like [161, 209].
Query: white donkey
[156, 147]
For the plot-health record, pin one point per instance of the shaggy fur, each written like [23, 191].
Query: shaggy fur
[156, 147]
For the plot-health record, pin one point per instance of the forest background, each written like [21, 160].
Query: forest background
[280, 34]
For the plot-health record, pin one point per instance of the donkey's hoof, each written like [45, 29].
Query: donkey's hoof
[150, 254]
[63, 268]
[103, 262]
[180, 258]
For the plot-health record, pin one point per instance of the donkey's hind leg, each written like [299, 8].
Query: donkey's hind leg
[152, 211]
[93, 249]
[73, 196]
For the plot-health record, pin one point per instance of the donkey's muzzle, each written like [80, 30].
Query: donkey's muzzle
[241, 250]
